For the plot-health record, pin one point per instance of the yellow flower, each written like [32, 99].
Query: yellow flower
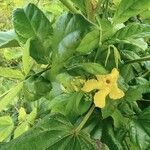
[106, 85]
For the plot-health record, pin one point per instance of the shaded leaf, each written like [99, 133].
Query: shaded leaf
[127, 72]
[71, 105]
[140, 130]
[108, 137]
[35, 87]
[110, 108]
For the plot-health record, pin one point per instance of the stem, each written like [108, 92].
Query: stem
[145, 100]
[70, 6]
[85, 119]
[138, 60]
[100, 38]
[145, 74]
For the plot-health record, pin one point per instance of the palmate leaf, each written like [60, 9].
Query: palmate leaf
[109, 136]
[71, 105]
[139, 130]
[52, 133]
[129, 8]
[8, 39]
[31, 23]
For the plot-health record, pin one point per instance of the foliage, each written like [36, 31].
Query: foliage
[57, 47]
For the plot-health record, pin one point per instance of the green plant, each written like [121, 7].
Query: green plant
[50, 100]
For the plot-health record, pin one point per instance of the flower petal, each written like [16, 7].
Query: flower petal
[90, 85]
[114, 75]
[99, 98]
[115, 92]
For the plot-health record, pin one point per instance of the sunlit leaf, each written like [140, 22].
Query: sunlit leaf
[6, 127]
[11, 73]
[8, 39]
[8, 98]
[127, 9]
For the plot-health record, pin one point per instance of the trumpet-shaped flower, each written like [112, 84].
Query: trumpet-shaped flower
[106, 85]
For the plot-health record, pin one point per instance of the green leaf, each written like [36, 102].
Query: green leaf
[116, 2]
[127, 9]
[8, 39]
[119, 120]
[6, 127]
[11, 73]
[110, 108]
[7, 99]
[94, 125]
[80, 4]
[31, 23]
[71, 105]
[35, 87]
[26, 57]
[107, 28]
[22, 115]
[133, 94]
[93, 68]
[53, 132]
[67, 35]
[89, 42]
[23, 127]
[127, 72]
[137, 42]
[31, 117]
[132, 31]
[139, 130]
[40, 50]
[109, 137]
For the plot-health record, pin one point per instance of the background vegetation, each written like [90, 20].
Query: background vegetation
[41, 69]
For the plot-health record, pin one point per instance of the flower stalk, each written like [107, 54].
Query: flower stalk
[77, 130]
